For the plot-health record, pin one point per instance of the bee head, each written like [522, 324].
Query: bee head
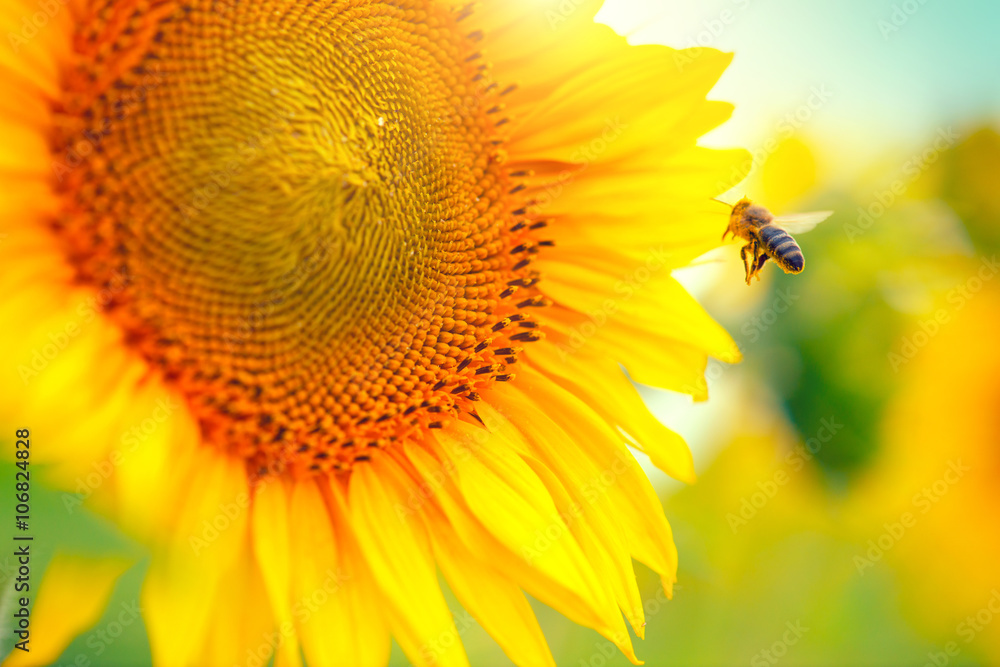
[738, 209]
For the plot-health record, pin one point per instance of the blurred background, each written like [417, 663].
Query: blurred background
[849, 493]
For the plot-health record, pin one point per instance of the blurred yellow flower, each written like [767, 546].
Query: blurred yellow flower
[929, 504]
[330, 296]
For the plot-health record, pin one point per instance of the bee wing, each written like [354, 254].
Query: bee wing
[800, 223]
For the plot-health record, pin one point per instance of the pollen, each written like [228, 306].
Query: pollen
[302, 215]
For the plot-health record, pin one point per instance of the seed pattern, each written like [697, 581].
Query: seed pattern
[322, 249]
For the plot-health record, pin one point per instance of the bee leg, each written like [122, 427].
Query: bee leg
[761, 259]
[746, 260]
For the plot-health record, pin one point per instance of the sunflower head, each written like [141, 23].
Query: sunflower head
[317, 243]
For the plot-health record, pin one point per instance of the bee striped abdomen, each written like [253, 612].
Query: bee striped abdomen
[782, 248]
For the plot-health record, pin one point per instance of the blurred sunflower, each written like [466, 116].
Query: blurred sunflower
[928, 507]
[337, 293]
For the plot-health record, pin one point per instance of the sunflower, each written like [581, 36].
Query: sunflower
[317, 300]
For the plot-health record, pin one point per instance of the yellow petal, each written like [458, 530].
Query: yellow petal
[658, 306]
[336, 603]
[71, 598]
[673, 366]
[520, 34]
[33, 55]
[505, 494]
[576, 487]
[656, 212]
[249, 630]
[498, 604]
[207, 534]
[604, 547]
[555, 588]
[159, 453]
[639, 512]
[509, 498]
[633, 100]
[67, 359]
[271, 548]
[603, 385]
[395, 547]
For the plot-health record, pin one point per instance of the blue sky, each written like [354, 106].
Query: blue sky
[890, 88]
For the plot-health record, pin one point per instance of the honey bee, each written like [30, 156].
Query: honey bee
[769, 237]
